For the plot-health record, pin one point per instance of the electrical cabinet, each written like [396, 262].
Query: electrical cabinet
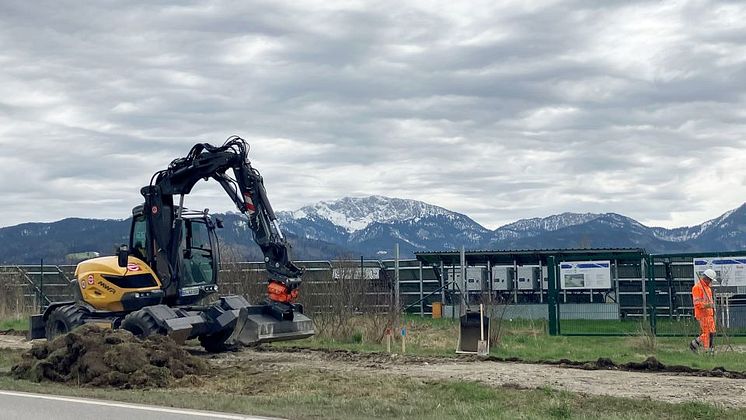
[528, 278]
[476, 278]
[503, 278]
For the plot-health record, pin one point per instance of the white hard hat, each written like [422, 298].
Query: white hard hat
[710, 274]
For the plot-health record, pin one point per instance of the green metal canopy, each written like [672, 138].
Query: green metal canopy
[528, 256]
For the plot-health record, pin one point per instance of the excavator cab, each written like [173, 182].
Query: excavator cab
[197, 252]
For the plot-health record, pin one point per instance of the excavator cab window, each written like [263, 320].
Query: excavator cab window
[138, 237]
[198, 258]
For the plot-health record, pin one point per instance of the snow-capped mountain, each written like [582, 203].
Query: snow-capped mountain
[372, 225]
[353, 214]
[691, 232]
[570, 230]
[526, 228]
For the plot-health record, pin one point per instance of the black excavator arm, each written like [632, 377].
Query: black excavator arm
[246, 188]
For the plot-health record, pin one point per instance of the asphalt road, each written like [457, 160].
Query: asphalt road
[23, 405]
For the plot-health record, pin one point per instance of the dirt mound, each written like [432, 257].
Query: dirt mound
[13, 332]
[96, 356]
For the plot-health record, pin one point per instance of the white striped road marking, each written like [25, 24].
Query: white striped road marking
[132, 406]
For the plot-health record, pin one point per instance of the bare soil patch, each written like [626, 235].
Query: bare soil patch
[14, 342]
[97, 357]
[92, 356]
[673, 387]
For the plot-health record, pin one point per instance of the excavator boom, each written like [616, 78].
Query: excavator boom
[278, 317]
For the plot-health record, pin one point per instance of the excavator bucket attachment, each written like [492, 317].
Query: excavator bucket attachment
[257, 324]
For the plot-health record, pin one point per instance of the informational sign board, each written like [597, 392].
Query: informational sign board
[368, 273]
[585, 275]
[731, 271]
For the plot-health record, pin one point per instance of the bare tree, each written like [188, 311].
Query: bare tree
[349, 302]
[12, 297]
[241, 278]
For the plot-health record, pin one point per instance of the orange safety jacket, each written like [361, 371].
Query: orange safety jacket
[702, 295]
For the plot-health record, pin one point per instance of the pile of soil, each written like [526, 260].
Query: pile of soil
[95, 356]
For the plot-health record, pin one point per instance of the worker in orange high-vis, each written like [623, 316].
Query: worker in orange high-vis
[704, 311]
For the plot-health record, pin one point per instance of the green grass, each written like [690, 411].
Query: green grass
[664, 326]
[8, 358]
[323, 394]
[528, 341]
[18, 324]
[305, 393]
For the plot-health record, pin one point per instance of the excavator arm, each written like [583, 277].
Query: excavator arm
[246, 189]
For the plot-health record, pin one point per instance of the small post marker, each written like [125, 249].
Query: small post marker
[388, 340]
[482, 347]
[404, 340]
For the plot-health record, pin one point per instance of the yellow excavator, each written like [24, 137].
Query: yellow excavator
[157, 284]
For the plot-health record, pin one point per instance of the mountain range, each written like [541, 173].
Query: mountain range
[371, 226]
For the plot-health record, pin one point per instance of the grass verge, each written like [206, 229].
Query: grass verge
[306, 393]
[17, 324]
[528, 341]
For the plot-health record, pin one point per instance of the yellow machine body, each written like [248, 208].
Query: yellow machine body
[106, 286]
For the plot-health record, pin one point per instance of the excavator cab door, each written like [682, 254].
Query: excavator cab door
[199, 260]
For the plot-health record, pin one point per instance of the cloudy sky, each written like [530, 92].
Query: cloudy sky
[498, 109]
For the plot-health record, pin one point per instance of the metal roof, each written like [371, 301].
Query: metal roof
[527, 256]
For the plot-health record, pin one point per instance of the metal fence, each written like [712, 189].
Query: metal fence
[652, 297]
[644, 294]
[27, 289]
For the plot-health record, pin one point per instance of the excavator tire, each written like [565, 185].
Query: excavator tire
[63, 320]
[215, 343]
[141, 324]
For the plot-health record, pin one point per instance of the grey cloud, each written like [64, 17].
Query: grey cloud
[498, 110]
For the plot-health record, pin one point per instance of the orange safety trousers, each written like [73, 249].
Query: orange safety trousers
[706, 327]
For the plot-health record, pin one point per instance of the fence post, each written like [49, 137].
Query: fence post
[41, 285]
[644, 273]
[422, 293]
[397, 302]
[651, 293]
[552, 296]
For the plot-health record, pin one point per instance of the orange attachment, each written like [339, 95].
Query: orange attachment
[280, 293]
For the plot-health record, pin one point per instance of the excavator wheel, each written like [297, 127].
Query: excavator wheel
[141, 324]
[215, 343]
[63, 320]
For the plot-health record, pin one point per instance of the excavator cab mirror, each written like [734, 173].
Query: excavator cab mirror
[219, 222]
[123, 253]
